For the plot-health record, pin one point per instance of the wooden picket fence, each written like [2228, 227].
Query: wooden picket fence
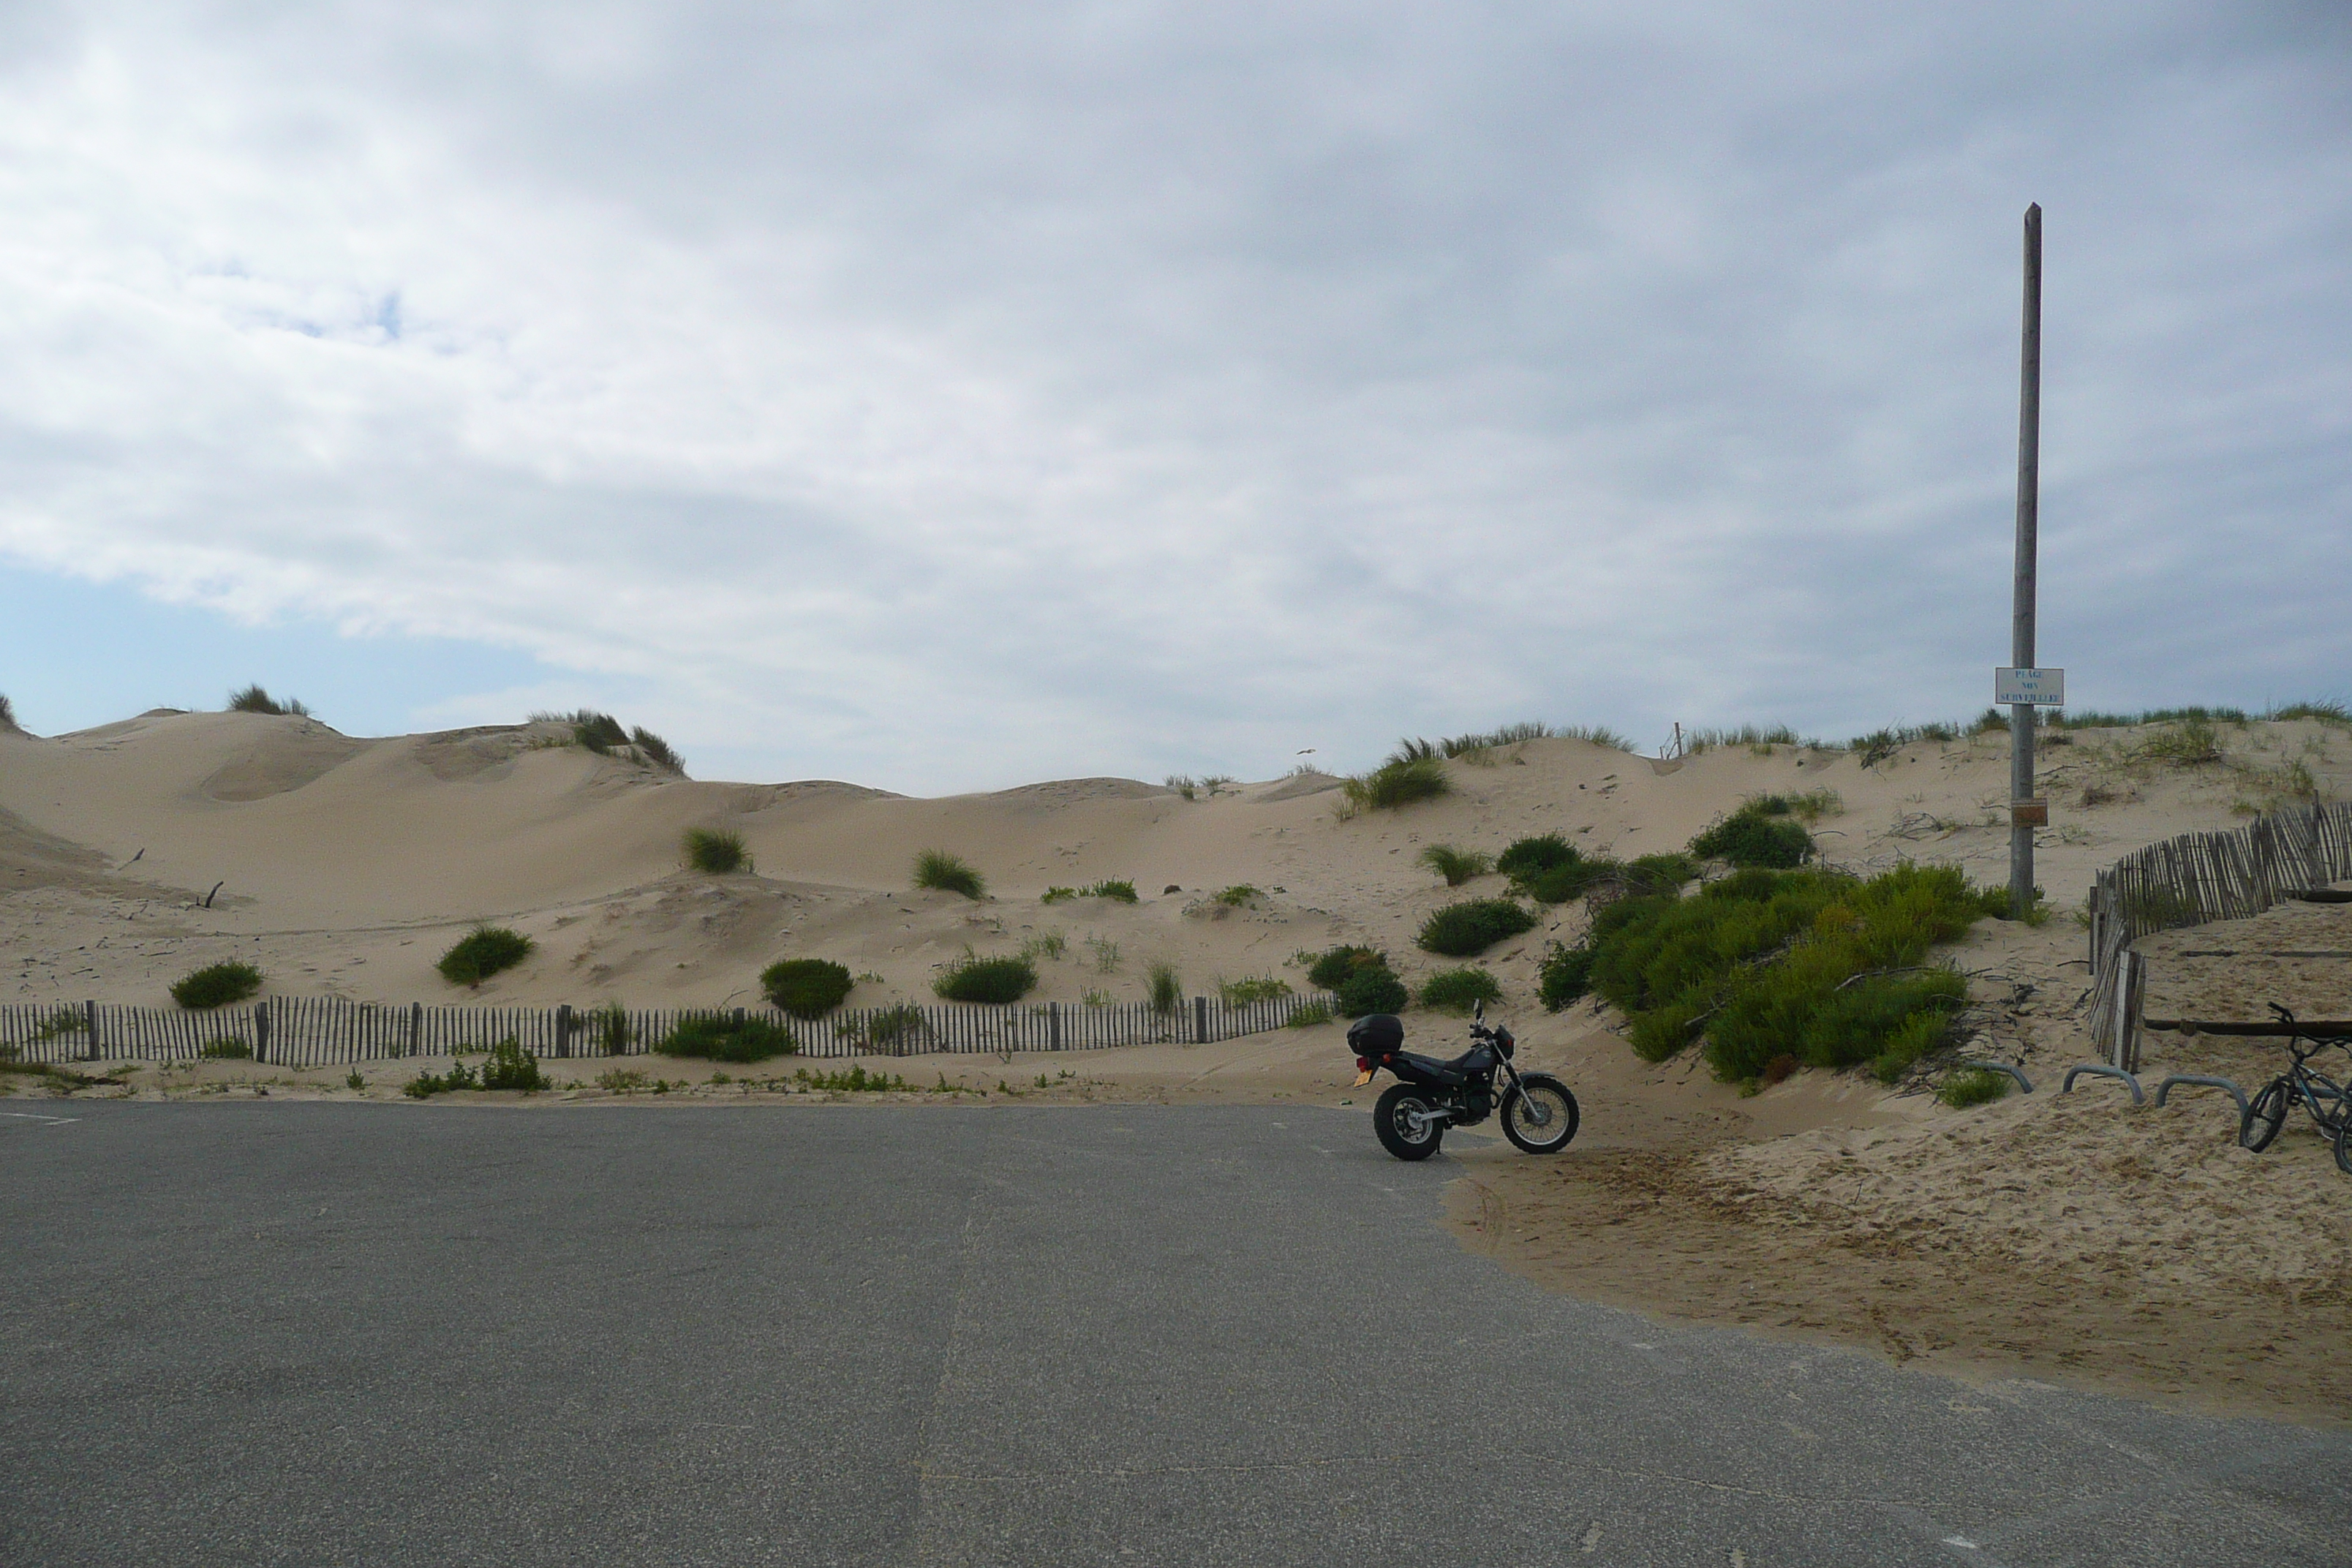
[326, 1031]
[2196, 877]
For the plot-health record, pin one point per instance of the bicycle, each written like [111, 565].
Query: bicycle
[2330, 1104]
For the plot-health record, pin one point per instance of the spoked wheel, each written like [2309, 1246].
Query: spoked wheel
[2344, 1148]
[2330, 1104]
[2265, 1117]
[1409, 1122]
[1540, 1115]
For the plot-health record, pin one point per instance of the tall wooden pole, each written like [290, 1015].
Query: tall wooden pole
[2029, 491]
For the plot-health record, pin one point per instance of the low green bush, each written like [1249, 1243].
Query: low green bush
[482, 953]
[1372, 989]
[1457, 866]
[805, 987]
[1461, 931]
[608, 1029]
[1459, 990]
[975, 979]
[1307, 1015]
[729, 1037]
[1238, 895]
[1761, 833]
[1809, 963]
[1527, 857]
[1396, 782]
[2192, 741]
[508, 1065]
[1494, 739]
[1332, 969]
[1165, 988]
[425, 1085]
[656, 750]
[223, 1048]
[216, 986]
[715, 851]
[1972, 1086]
[946, 873]
[1558, 884]
[1244, 993]
[1118, 892]
[1564, 977]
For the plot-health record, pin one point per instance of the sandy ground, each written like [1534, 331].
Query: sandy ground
[2068, 1238]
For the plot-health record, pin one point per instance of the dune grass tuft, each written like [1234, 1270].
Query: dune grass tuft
[1457, 866]
[1460, 931]
[1459, 990]
[8, 715]
[482, 953]
[1332, 968]
[972, 978]
[946, 873]
[253, 699]
[1261, 988]
[1307, 1015]
[717, 850]
[1237, 896]
[1470, 746]
[656, 750]
[2189, 744]
[1165, 987]
[1528, 858]
[1972, 1086]
[1399, 782]
[216, 986]
[805, 987]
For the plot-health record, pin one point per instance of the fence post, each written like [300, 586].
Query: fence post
[262, 1030]
[1200, 1020]
[415, 1024]
[89, 1031]
[563, 1029]
[1053, 1025]
[2134, 979]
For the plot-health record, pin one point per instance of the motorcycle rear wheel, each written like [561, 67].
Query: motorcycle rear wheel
[1546, 1097]
[1392, 1119]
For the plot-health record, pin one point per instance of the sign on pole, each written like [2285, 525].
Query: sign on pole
[2034, 688]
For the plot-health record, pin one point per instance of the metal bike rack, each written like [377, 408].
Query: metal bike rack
[2023, 1082]
[2104, 1071]
[2230, 1084]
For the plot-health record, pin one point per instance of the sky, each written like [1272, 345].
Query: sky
[950, 397]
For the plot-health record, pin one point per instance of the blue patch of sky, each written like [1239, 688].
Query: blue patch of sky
[74, 655]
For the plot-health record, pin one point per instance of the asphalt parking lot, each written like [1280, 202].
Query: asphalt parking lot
[371, 1334]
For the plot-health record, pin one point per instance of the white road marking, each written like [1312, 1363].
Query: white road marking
[1961, 1540]
[1592, 1535]
[29, 1116]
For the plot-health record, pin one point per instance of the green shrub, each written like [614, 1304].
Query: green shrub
[1307, 1015]
[729, 1037]
[1667, 872]
[805, 987]
[1558, 884]
[1238, 895]
[216, 986]
[1528, 857]
[600, 732]
[1166, 988]
[1242, 993]
[508, 1065]
[2325, 711]
[8, 713]
[1459, 990]
[1333, 968]
[900, 1030]
[223, 1048]
[1879, 744]
[424, 1085]
[482, 953]
[1761, 833]
[1972, 1086]
[1565, 977]
[975, 979]
[1459, 931]
[1046, 944]
[938, 869]
[1812, 965]
[2188, 744]
[253, 699]
[1399, 782]
[715, 851]
[1121, 893]
[1372, 990]
[1457, 866]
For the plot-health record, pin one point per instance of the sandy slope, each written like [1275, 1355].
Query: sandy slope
[2016, 1235]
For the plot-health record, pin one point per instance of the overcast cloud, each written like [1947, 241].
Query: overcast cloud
[951, 397]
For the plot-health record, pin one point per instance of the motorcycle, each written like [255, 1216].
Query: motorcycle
[1539, 1115]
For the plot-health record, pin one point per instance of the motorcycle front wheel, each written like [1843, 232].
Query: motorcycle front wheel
[1394, 1119]
[1539, 1116]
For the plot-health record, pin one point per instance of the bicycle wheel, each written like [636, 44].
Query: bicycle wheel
[2344, 1148]
[2265, 1116]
